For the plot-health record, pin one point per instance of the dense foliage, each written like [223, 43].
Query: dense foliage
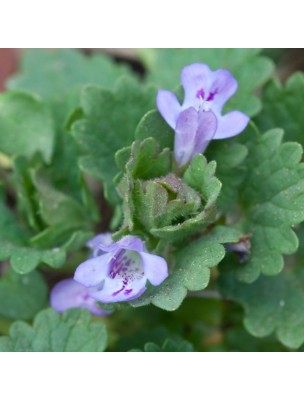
[83, 151]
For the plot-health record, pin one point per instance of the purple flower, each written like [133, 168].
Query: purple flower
[198, 120]
[121, 273]
[71, 294]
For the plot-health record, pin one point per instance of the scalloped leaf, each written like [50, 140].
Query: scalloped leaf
[250, 69]
[167, 207]
[26, 126]
[146, 161]
[54, 216]
[230, 160]
[58, 76]
[21, 297]
[191, 271]
[153, 125]
[272, 199]
[200, 176]
[72, 331]
[272, 304]
[56, 207]
[281, 107]
[109, 125]
[13, 245]
[25, 259]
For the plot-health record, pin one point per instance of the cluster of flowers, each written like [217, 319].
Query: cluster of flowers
[117, 272]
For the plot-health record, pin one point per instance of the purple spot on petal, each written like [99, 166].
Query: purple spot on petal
[211, 95]
[128, 291]
[117, 263]
[200, 94]
[118, 291]
[85, 296]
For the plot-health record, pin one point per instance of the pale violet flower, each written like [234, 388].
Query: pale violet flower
[198, 120]
[120, 271]
[70, 294]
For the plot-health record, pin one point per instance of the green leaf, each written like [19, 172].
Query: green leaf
[272, 199]
[169, 345]
[25, 259]
[153, 125]
[109, 125]
[56, 207]
[200, 177]
[250, 69]
[272, 304]
[73, 331]
[160, 204]
[146, 161]
[230, 160]
[69, 240]
[191, 271]
[26, 126]
[281, 107]
[58, 76]
[9, 229]
[13, 245]
[27, 203]
[52, 214]
[21, 297]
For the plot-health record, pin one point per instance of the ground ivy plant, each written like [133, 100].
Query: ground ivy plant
[155, 205]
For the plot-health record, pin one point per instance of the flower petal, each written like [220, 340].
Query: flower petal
[195, 78]
[206, 130]
[231, 124]
[102, 239]
[155, 268]
[168, 106]
[185, 134]
[128, 242]
[71, 294]
[114, 290]
[93, 271]
[224, 86]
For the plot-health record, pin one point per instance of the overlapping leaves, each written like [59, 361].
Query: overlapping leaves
[162, 205]
[272, 304]
[73, 331]
[157, 201]
[282, 107]
[26, 126]
[14, 245]
[191, 270]
[109, 123]
[22, 296]
[272, 199]
[58, 76]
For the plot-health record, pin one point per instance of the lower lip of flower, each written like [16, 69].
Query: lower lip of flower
[126, 266]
